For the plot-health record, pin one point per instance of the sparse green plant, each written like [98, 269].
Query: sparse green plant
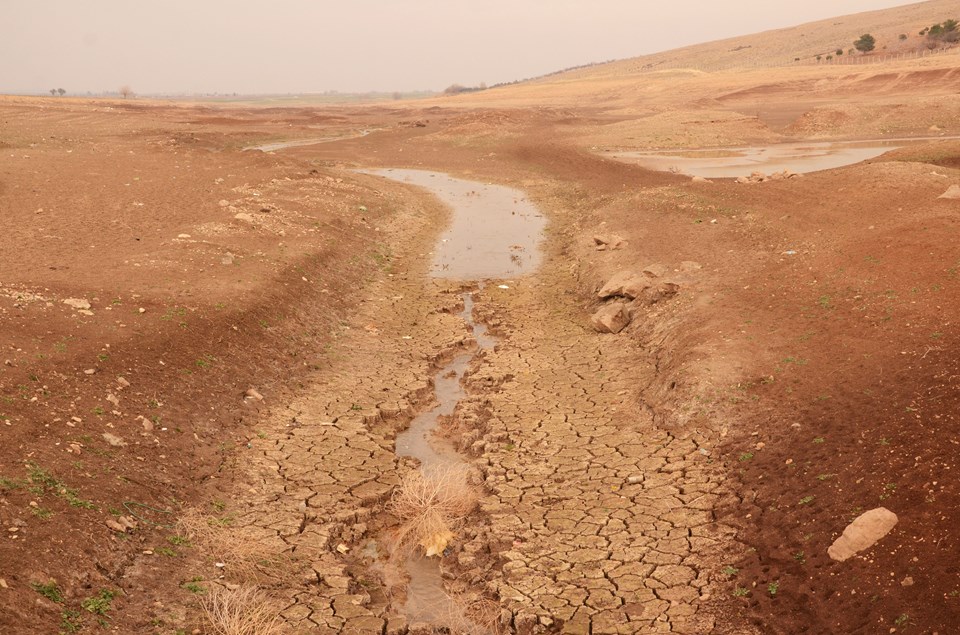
[42, 482]
[806, 500]
[194, 586]
[99, 604]
[730, 570]
[741, 592]
[179, 541]
[166, 551]
[746, 456]
[70, 621]
[819, 440]
[800, 557]
[825, 477]
[773, 587]
[49, 590]
[41, 512]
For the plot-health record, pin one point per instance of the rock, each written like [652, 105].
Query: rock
[688, 266]
[700, 179]
[253, 394]
[227, 259]
[744, 180]
[113, 399]
[628, 284]
[77, 303]
[656, 271]
[115, 526]
[952, 193]
[113, 440]
[183, 235]
[244, 217]
[607, 242]
[662, 291]
[907, 581]
[611, 318]
[863, 533]
[934, 128]
[123, 383]
[90, 371]
[127, 522]
[3, 584]
[224, 203]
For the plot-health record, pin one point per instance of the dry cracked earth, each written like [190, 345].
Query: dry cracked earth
[593, 519]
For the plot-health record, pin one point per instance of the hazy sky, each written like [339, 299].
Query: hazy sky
[290, 46]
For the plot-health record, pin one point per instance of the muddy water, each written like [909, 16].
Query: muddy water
[495, 229]
[418, 441]
[795, 157]
[494, 234]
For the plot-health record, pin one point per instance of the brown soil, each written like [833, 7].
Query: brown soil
[688, 473]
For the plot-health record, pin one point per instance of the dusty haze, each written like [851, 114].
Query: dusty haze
[362, 45]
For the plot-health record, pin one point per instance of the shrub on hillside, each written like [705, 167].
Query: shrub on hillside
[866, 43]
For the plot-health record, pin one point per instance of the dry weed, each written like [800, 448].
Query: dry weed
[246, 557]
[431, 506]
[241, 611]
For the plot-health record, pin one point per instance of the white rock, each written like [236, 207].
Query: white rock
[77, 303]
[952, 193]
[113, 440]
[863, 533]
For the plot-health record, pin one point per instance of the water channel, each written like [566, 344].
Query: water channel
[493, 235]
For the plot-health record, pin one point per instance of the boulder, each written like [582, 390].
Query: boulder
[863, 533]
[611, 318]
[627, 284]
[953, 192]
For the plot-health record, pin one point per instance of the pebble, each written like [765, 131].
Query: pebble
[90, 371]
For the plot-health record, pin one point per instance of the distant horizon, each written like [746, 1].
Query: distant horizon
[296, 47]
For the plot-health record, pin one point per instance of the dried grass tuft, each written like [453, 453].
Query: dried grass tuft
[431, 506]
[242, 611]
[246, 556]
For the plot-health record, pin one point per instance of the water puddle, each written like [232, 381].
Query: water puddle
[495, 229]
[494, 234]
[296, 143]
[794, 157]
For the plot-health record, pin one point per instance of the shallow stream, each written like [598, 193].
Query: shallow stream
[494, 234]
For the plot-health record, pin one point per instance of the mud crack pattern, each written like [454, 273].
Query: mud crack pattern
[605, 521]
